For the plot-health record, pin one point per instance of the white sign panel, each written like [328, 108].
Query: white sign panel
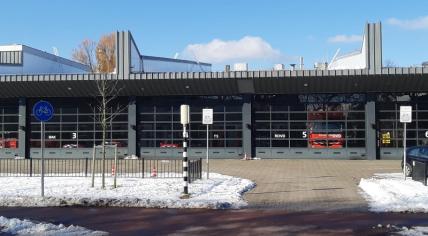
[184, 114]
[405, 114]
[207, 116]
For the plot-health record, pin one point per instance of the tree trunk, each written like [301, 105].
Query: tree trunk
[104, 161]
[93, 166]
[103, 125]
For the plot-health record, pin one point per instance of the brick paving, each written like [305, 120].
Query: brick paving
[305, 185]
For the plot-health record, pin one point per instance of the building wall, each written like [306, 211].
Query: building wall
[157, 65]
[310, 126]
[34, 63]
[391, 129]
[281, 127]
[136, 61]
[356, 60]
[9, 120]
[160, 131]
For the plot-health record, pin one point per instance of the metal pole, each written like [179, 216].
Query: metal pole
[42, 146]
[208, 162]
[185, 162]
[93, 166]
[115, 165]
[86, 167]
[404, 152]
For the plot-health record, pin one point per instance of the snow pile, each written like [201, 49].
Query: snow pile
[219, 192]
[25, 227]
[390, 192]
[414, 231]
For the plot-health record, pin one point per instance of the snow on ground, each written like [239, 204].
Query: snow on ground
[390, 192]
[16, 226]
[414, 231]
[218, 192]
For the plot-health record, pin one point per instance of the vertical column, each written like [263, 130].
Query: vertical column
[371, 133]
[378, 47]
[185, 161]
[132, 127]
[367, 44]
[23, 147]
[119, 54]
[371, 45]
[373, 40]
[126, 54]
[123, 54]
[247, 139]
[185, 120]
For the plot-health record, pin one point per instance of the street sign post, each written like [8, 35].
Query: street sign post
[405, 117]
[207, 119]
[43, 111]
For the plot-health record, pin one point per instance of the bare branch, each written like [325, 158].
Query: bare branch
[85, 54]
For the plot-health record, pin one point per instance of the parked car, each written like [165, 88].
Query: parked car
[414, 153]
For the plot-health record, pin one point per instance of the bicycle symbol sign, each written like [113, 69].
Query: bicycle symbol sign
[43, 111]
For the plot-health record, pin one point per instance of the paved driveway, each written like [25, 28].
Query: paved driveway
[305, 185]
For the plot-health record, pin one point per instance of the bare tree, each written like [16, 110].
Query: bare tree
[107, 107]
[85, 54]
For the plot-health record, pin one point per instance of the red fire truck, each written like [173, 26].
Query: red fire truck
[9, 143]
[323, 134]
[168, 145]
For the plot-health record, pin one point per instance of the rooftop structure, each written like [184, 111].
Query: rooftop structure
[368, 57]
[22, 59]
[19, 59]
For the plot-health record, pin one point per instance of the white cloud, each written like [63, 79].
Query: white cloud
[341, 38]
[412, 24]
[245, 49]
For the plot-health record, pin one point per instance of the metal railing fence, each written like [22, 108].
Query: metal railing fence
[82, 167]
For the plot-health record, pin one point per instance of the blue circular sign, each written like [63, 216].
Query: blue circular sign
[43, 110]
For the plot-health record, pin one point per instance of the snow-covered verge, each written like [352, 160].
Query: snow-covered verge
[218, 192]
[391, 193]
[14, 226]
[414, 231]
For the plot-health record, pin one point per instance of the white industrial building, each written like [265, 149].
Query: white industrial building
[21, 59]
[372, 42]
[18, 59]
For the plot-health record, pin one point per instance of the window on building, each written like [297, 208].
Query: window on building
[391, 130]
[161, 122]
[74, 126]
[313, 121]
[9, 126]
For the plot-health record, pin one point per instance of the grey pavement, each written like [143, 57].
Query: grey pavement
[305, 185]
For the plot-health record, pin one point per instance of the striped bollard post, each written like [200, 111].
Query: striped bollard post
[185, 162]
[185, 119]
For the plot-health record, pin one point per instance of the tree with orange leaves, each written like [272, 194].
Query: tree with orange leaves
[100, 57]
[105, 53]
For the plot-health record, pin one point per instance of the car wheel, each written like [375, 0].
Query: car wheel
[409, 170]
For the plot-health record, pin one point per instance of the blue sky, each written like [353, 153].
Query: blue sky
[280, 31]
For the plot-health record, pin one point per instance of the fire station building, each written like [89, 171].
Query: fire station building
[348, 109]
